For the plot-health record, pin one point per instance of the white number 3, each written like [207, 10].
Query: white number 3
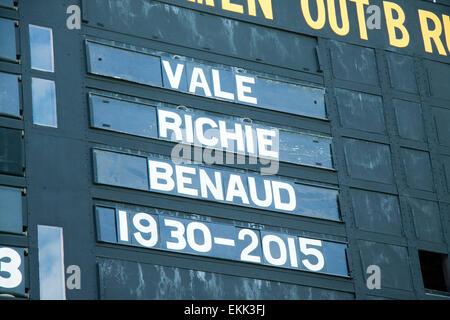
[12, 267]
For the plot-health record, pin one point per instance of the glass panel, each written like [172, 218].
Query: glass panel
[113, 62]
[305, 149]
[138, 119]
[51, 263]
[9, 94]
[223, 83]
[182, 233]
[317, 202]
[221, 185]
[41, 46]
[123, 116]
[10, 210]
[290, 98]
[106, 224]
[205, 79]
[8, 50]
[121, 170]
[44, 102]
[11, 151]
[337, 257]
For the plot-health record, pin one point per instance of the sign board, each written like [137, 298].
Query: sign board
[224, 241]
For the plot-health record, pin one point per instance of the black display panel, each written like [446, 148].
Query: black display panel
[11, 151]
[147, 281]
[11, 210]
[160, 69]
[155, 230]
[9, 95]
[198, 181]
[199, 128]
[8, 50]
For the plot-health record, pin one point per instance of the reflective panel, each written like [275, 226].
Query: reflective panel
[8, 50]
[291, 98]
[216, 184]
[194, 126]
[11, 210]
[205, 79]
[120, 170]
[44, 102]
[211, 130]
[41, 47]
[9, 95]
[307, 149]
[124, 64]
[317, 202]
[236, 85]
[11, 151]
[51, 263]
[122, 116]
[336, 252]
[106, 224]
[153, 229]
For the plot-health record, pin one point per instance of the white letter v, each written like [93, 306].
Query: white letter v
[173, 79]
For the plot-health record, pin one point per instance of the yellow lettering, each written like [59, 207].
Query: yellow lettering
[266, 7]
[227, 5]
[447, 30]
[434, 34]
[395, 24]
[321, 14]
[428, 34]
[341, 31]
[361, 17]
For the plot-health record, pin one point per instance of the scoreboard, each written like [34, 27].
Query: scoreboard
[224, 149]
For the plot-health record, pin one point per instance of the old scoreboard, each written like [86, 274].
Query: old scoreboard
[224, 149]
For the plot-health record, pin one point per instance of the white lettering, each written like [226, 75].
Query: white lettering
[198, 80]
[174, 126]
[264, 142]
[254, 194]
[156, 175]
[206, 184]
[226, 135]
[277, 186]
[218, 88]
[189, 130]
[182, 180]
[242, 89]
[236, 189]
[199, 123]
[174, 79]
